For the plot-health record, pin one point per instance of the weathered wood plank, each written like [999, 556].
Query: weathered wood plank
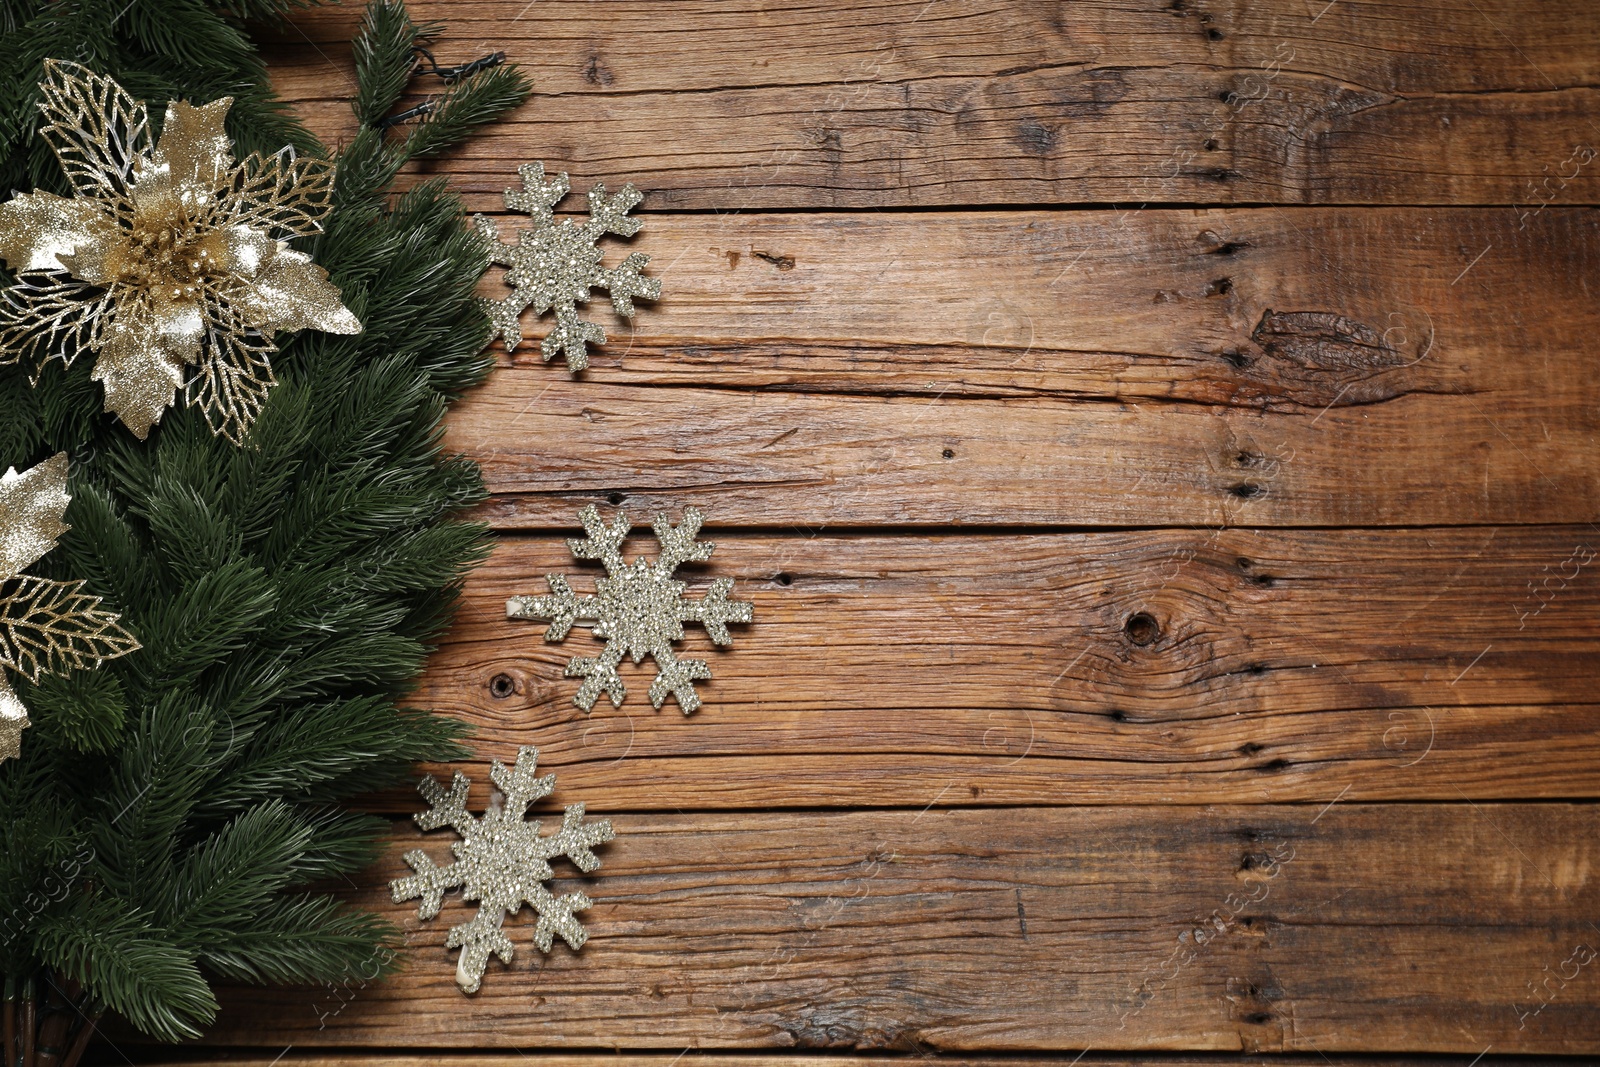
[907, 670]
[928, 1058]
[956, 102]
[1425, 46]
[1415, 927]
[1266, 367]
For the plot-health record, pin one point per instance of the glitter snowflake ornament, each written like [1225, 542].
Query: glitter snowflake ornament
[169, 255]
[638, 611]
[502, 863]
[46, 627]
[554, 265]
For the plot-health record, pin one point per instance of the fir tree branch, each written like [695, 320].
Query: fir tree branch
[173, 809]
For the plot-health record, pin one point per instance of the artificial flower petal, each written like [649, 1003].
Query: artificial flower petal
[32, 504]
[142, 370]
[246, 250]
[13, 720]
[38, 229]
[97, 131]
[194, 146]
[293, 293]
[180, 324]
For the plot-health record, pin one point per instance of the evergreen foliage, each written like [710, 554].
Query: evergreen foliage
[175, 811]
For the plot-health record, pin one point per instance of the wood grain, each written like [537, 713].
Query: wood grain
[293, 1058]
[909, 103]
[1371, 928]
[1116, 561]
[1244, 367]
[1011, 669]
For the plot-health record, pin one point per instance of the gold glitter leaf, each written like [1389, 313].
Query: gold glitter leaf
[172, 264]
[13, 720]
[194, 152]
[52, 627]
[97, 131]
[44, 230]
[31, 508]
[282, 192]
[231, 387]
[502, 862]
[47, 316]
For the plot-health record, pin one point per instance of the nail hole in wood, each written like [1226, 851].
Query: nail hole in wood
[1142, 628]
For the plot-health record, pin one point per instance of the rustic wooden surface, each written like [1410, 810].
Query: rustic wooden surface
[513, 1058]
[1330, 367]
[1170, 524]
[1026, 928]
[884, 670]
[919, 103]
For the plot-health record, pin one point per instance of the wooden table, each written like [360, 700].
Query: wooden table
[1159, 440]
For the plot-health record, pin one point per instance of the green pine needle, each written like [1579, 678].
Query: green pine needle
[175, 812]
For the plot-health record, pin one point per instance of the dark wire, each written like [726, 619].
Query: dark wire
[462, 70]
[424, 108]
[449, 74]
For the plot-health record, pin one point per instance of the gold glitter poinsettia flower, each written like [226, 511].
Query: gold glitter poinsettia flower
[170, 256]
[46, 627]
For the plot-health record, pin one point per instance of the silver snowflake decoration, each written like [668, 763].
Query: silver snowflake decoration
[501, 862]
[555, 265]
[638, 611]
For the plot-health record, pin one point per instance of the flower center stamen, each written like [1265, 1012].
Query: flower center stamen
[176, 260]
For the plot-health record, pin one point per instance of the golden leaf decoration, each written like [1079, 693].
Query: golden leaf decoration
[46, 627]
[32, 505]
[51, 627]
[171, 263]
